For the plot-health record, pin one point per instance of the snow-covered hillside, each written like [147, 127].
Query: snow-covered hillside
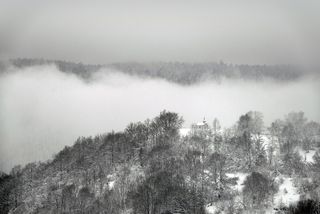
[287, 194]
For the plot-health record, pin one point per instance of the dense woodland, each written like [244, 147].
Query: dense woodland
[177, 72]
[150, 168]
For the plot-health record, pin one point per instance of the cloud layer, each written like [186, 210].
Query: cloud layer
[43, 109]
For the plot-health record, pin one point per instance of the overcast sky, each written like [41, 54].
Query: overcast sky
[276, 31]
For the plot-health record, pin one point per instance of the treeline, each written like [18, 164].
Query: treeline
[181, 73]
[149, 168]
[191, 73]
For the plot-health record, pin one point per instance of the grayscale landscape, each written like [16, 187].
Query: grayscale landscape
[159, 108]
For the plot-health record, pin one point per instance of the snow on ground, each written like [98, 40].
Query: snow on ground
[265, 139]
[287, 193]
[184, 132]
[241, 177]
[111, 184]
[211, 209]
[111, 181]
[307, 156]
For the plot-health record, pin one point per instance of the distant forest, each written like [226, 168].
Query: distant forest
[181, 73]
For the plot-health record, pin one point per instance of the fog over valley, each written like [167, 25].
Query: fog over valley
[159, 107]
[42, 109]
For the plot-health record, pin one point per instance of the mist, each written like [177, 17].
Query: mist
[43, 109]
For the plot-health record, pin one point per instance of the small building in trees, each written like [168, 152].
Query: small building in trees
[200, 127]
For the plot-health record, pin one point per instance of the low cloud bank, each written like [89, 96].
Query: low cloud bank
[43, 109]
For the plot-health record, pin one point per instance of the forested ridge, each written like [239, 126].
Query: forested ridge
[177, 72]
[151, 168]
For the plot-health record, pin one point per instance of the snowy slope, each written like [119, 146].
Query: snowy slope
[307, 156]
[241, 177]
[212, 208]
[287, 194]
